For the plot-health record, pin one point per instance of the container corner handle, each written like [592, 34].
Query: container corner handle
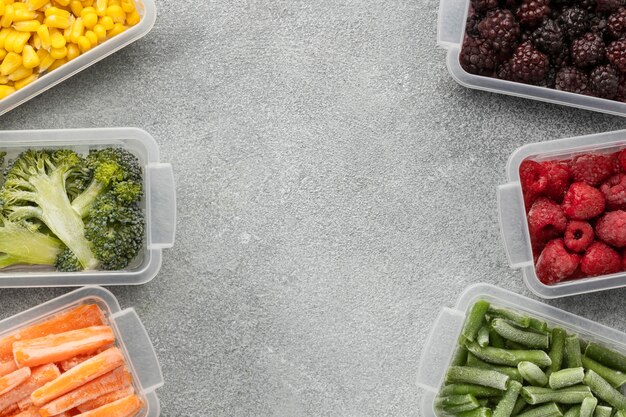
[512, 220]
[162, 205]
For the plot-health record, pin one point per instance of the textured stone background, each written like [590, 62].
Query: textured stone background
[335, 189]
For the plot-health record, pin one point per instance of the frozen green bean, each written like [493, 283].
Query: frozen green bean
[547, 410]
[483, 336]
[475, 320]
[484, 377]
[613, 377]
[477, 391]
[573, 412]
[524, 337]
[479, 412]
[588, 406]
[455, 404]
[512, 372]
[510, 315]
[532, 373]
[620, 413]
[509, 344]
[507, 403]
[605, 356]
[566, 377]
[520, 404]
[499, 356]
[460, 356]
[495, 339]
[569, 395]
[603, 411]
[572, 352]
[557, 349]
[603, 390]
[538, 325]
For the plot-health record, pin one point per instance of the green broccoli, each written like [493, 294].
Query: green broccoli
[22, 243]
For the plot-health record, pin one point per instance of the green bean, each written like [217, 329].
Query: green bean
[509, 357]
[460, 356]
[512, 372]
[524, 337]
[603, 411]
[509, 344]
[620, 413]
[569, 395]
[507, 404]
[475, 320]
[512, 316]
[605, 356]
[483, 402]
[479, 412]
[538, 325]
[484, 377]
[477, 391]
[557, 350]
[572, 352]
[547, 410]
[520, 404]
[573, 412]
[483, 336]
[457, 403]
[588, 406]
[603, 390]
[613, 377]
[496, 340]
[566, 377]
[532, 373]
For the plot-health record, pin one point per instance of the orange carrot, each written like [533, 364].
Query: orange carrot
[61, 346]
[12, 380]
[29, 412]
[7, 367]
[115, 380]
[79, 375]
[126, 407]
[10, 411]
[106, 398]
[39, 376]
[76, 318]
[68, 364]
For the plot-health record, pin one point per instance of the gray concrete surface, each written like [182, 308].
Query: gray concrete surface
[335, 190]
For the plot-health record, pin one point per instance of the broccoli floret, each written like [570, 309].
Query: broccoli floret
[22, 243]
[67, 261]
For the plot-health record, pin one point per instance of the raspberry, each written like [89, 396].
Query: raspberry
[477, 56]
[555, 263]
[592, 168]
[614, 191]
[616, 23]
[532, 12]
[546, 220]
[533, 177]
[574, 21]
[611, 228]
[528, 64]
[600, 259]
[501, 29]
[616, 54]
[604, 81]
[572, 79]
[578, 235]
[582, 202]
[558, 180]
[484, 5]
[548, 37]
[587, 50]
[607, 6]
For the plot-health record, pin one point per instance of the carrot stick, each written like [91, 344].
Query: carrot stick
[76, 318]
[9, 411]
[39, 376]
[61, 346]
[12, 380]
[29, 412]
[7, 367]
[126, 407]
[106, 398]
[68, 364]
[115, 380]
[79, 375]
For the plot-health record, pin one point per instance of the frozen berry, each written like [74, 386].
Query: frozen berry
[533, 177]
[532, 12]
[574, 21]
[501, 29]
[471, 25]
[611, 228]
[614, 191]
[558, 180]
[616, 23]
[555, 263]
[592, 168]
[600, 259]
[528, 64]
[604, 80]
[578, 235]
[572, 79]
[587, 50]
[621, 157]
[548, 37]
[616, 54]
[477, 56]
[608, 6]
[484, 5]
[599, 25]
[546, 220]
[582, 202]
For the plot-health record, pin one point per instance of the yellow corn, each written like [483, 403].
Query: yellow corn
[116, 13]
[3, 36]
[92, 37]
[20, 41]
[57, 40]
[4, 79]
[128, 6]
[133, 18]
[84, 44]
[72, 51]
[101, 7]
[25, 81]
[56, 64]
[20, 74]
[7, 18]
[6, 90]
[30, 59]
[90, 19]
[57, 21]
[10, 63]
[2, 7]
[76, 6]
[10, 40]
[99, 30]
[78, 29]
[37, 4]
[55, 10]
[45, 60]
[117, 29]
[58, 53]
[21, 15]
[3, 53]
[107, 22]
[62, 2]
[44, 36]
[27, 26]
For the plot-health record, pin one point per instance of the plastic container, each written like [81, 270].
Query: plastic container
[514, 225]
[130, 334]
[441, 343]
[147, 10]
[450, 33]
[159, 204]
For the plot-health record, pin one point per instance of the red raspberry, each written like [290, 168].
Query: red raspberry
[546, 220]
[611, 228]
[578, 235]
[534, 179]
[614, 191]
[555, 263]
[592, 168]
[582, 202]
[558, 180]
[600, 259]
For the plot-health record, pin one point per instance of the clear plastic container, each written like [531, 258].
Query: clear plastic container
[450, 33]
[159, 204]
[130, 334]
[147, 10]
[513, 223]
[441, 343]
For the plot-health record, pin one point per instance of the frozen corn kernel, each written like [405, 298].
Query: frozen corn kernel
[27, 26]
[58, 53]
[10, 40]
[7, 17]
[25, 81]
[56, 11]
[101, 7]
[100, 32]
[90, 19]
[128, 6]
[56, 64]
[3, 53]
[72, 51]
[44, 37]
[4, 79]
[3, 36]
[57, 40]
[57, 21]
[10, 63]
[37, 4]
[78, 30]
[116, 13]
[84, 44]
[107, 22]
[117, 29]
[76, 7]
[20, 41]
[21, 15]
[133, 18]
[6, 90]
[62, 2]
[20, 73]
[93, 38]
[30, 59]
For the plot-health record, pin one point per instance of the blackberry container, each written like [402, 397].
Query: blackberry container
[512, 215]
[158, 204]
[450, 34]
[441, 343]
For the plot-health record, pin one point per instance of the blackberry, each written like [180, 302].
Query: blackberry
[589, 5]
[471, 25]
[599, 24]
[616, 23]
[572, 79]
[510, 4]
[616, 54]
[604, 81]
[562, 58]
[532, 12]
[528, 64]
[608, 6]
[501, 29]
[484, 5]
[548, 37]
[574, 22]
[588, 50]
[504, 71]
[549, 80]
[477, 56]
